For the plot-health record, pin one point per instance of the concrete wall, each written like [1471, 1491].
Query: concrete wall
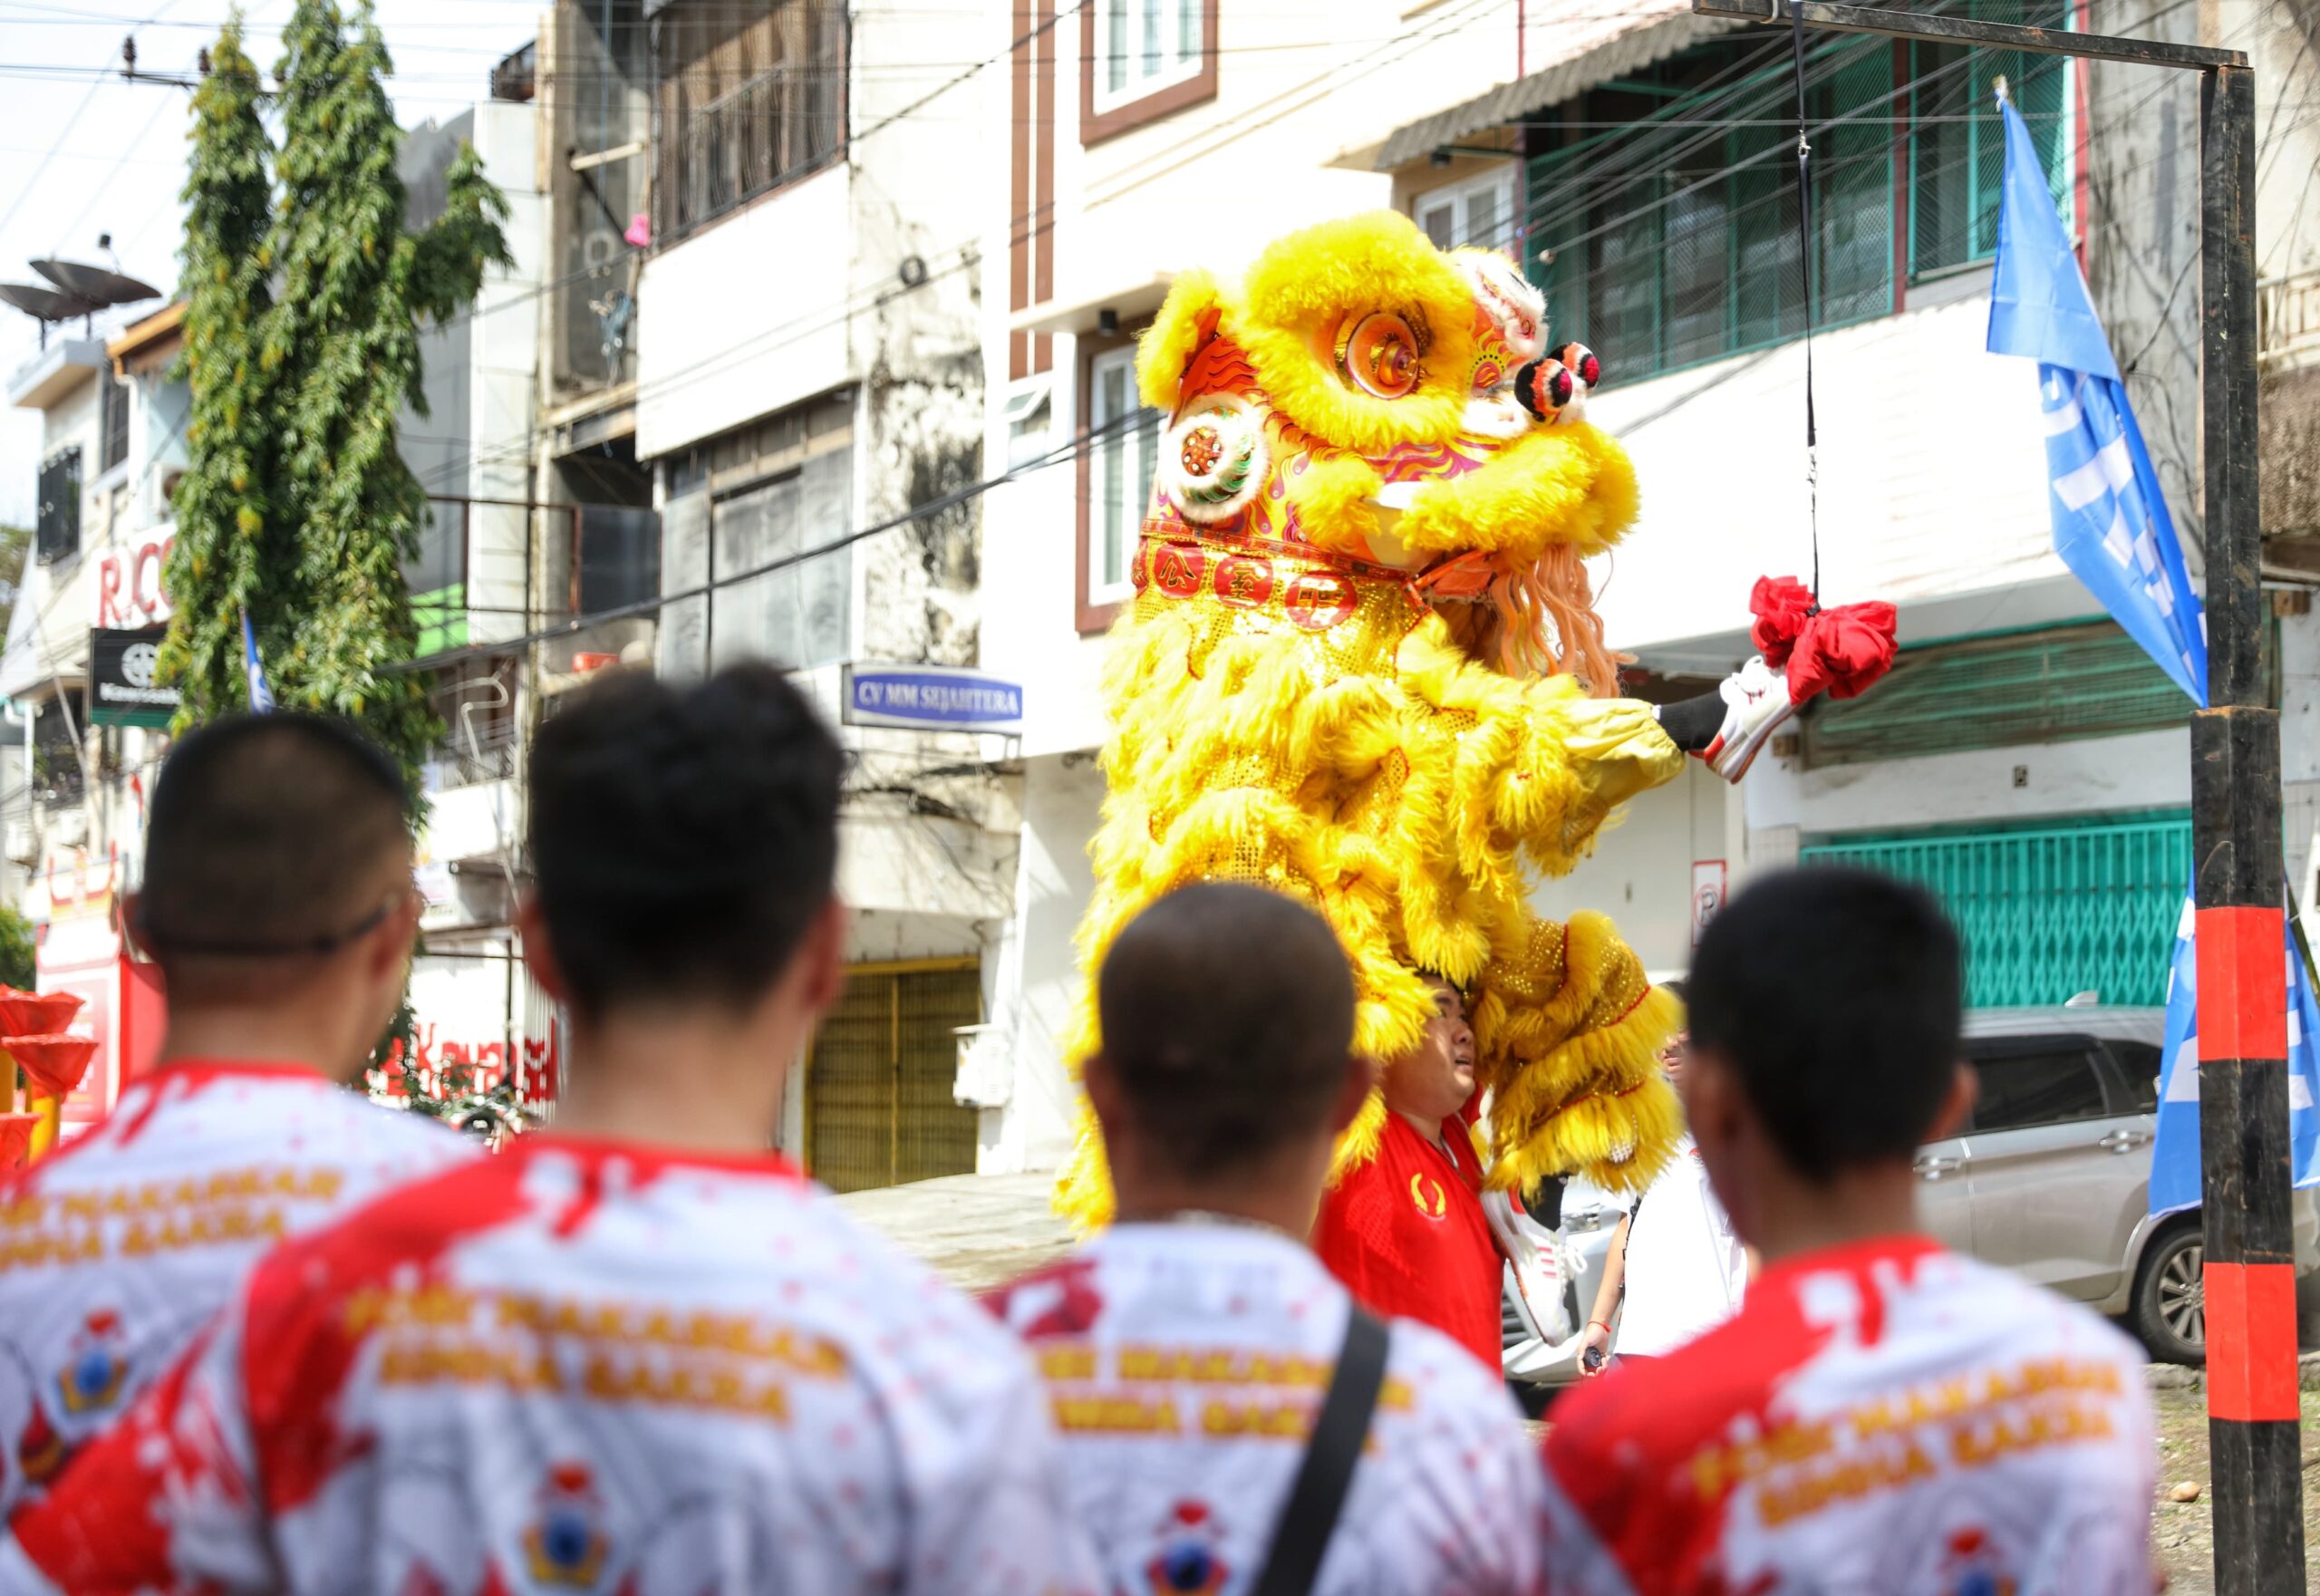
[2142, 229]
[1062, 796]
[1932, 469]
[480, 367]
[919, 193]
[746, 315]
[1640, 873]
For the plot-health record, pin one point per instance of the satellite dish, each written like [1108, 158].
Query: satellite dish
[45, 303]
[99, 286]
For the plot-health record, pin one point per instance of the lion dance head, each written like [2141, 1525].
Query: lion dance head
[1362, 666]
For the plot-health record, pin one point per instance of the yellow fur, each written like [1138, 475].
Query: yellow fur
[1302, 288]
[1167, 345]
[1359, 759]
[1567, 485]
[1330, 502]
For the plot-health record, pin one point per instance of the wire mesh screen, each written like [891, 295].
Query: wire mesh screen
[1958, 147]
[1661, 218]
[2048, 911]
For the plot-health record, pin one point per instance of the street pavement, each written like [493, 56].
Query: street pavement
[978, 1231]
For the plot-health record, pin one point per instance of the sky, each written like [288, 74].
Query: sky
[83, 152]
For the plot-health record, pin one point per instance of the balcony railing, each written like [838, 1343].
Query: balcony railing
[2287, 319]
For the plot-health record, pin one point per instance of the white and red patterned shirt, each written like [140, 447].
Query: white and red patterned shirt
[578, 1366]
[116, 1249]
[1185, 1362]
[1885, 1416]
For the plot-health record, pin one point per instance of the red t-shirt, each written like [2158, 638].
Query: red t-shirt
[1880, 1416]
[1406, 1233]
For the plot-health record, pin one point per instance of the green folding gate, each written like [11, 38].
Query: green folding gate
[2050, 909]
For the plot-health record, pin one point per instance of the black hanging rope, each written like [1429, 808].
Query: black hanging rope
[1805, 260]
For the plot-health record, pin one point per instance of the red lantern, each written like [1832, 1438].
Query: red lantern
[16, 1138]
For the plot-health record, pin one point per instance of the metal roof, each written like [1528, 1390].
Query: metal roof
[1598, 47]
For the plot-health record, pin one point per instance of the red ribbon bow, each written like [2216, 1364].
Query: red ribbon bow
[1840, 651]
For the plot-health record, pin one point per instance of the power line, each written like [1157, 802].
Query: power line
[814, 322]
[1071, 449]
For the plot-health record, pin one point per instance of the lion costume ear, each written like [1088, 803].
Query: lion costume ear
[1185, 321]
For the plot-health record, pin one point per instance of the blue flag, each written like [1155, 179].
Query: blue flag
[261, 695]
[2175, 1157]
[2111, 527]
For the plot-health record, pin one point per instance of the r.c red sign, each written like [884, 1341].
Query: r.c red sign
[129, 584]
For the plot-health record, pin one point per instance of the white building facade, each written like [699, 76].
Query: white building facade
[112, 448]
[2024, 759]
[807, 367]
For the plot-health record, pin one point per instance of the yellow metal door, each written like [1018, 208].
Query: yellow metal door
[878, 1105]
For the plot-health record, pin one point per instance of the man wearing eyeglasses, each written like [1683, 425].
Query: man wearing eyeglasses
[277, 900]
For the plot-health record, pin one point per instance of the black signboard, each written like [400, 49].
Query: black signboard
[122, 692]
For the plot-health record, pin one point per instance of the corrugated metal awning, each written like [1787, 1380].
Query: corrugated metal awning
[1599, 48]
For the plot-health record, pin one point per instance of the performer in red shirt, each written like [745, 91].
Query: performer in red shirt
[1406, 1231]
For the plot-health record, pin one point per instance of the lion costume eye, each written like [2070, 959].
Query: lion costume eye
[1380, 355]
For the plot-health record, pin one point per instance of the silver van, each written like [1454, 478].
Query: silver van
[2051, 1178]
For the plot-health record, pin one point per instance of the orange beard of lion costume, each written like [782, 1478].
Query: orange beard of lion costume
[1362, 667]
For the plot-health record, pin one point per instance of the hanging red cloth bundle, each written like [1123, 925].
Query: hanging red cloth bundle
[52, 1064]
[24, 1013]
[1840, 651]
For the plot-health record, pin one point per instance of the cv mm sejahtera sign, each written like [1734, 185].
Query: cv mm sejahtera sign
[932, 698]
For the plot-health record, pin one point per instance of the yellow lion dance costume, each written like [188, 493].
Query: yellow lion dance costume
[1289, 706]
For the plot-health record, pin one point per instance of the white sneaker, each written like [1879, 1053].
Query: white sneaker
[1755, 699]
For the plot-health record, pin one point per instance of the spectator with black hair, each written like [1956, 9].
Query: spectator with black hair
[1207, 1369]
[641, 1352]
[1673, 1261]
[277, 901]
[1881, 1414]
[1406, 1231]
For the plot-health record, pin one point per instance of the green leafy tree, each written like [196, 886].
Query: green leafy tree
[16, 967]
[344, 331]
[232, 551]
[328, 510]
[14, 542]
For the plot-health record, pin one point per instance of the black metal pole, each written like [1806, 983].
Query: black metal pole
[2257, 1492]
[2252, 1401]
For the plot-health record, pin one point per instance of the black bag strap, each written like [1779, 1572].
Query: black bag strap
[1339, 1431]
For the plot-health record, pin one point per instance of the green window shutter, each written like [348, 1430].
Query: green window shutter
[2049, 686]
[2047, 909]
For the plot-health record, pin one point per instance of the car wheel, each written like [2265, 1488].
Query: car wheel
[2171, 1298]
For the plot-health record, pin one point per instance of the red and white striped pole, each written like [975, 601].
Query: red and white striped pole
[2254, 1434]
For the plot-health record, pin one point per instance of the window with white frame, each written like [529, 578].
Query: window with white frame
[1478, 211]
[1145, 44]
[1121, 454]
